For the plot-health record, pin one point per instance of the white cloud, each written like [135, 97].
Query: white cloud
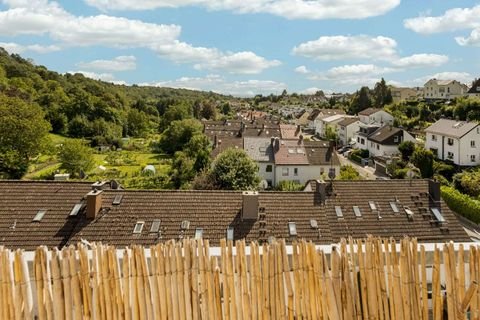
[463, 77]
[290, 9]
[12, 47]
[107, 77]
[302, 70]
[42, 17]
[451, 20]
[351, 72]
[120, 63]
[348, 47]
[421, 60]
[311, 90]
[219, 84]
[472, 40]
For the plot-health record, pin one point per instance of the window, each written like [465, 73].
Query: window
[138, 227]
[472, 158]
[285, 172]
[39, 216]
[363, 141]
[198, 233]
[269, 168]
[295, 171]
[117, 200]
[438, 215]
[75, 209]
[472, 143]
[292, 228]
[358, 138]
[185, 225]
[338, 211]
[395, 139]
[378, 146]
[450, 155]
[357, 211]
[230, 232]
[394, 207]
[372, 205]
[155, 226]
[331, 173]
[434, 151]
[450, 141]
[372, 144]
[478, 130]
[313, 224]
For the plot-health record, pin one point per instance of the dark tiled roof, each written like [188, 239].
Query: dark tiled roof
[225, 142]
[318, 153]
[313, 115]
[369, 111]
[215, 211]
[347, 121]
[21, 200]
[384, 134]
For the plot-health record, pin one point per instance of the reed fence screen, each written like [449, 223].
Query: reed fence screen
[367, 279]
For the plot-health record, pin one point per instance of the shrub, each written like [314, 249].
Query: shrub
[461, 203]
[288, 185]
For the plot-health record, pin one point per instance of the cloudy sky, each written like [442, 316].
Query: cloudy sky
[245, 47]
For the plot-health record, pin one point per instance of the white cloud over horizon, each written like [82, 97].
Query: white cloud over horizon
[13, 47]
[120, 63]
[107, 77]
[217, 83]
[44, 17]
[290, 9]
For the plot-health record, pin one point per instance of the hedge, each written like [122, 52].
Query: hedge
[355, 158]
[461, 203]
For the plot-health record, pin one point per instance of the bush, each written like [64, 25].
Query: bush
[288, 185]
[461, 203]
[354, 157]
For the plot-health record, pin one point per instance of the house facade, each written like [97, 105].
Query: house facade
[318, 114]
[384, 141]
[435, 89]
[347, 129]
[456, 141]
[400, 94]
[375, 115]
[328, 122]
[474, 91]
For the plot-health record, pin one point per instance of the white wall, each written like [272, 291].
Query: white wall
[347, 133]
[378, 117]
[434, 91]
[461, 148]
[264, 175]
[305, 172]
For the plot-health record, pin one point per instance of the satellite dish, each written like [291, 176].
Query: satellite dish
[411, 174]
[263, 184]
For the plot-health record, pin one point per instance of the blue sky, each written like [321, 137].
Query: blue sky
[247, 47]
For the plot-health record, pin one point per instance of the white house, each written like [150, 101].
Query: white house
[375, 115]
[444, 89]
[261, 151]
[347, 129]
[400, 94]
[318, 114]
[475, 89]
[361, 137]
[457, 141]
[330, 121]
[384, 141]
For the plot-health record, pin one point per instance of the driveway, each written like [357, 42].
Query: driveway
[367, 173]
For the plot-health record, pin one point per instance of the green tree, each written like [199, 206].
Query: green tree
[423, 160]
[137, 123]
[233, 169]
[183, 171]
[80, 127]
[288, 185]
[226, 108]
[349, 173]
[209, 111]
[468, 182]
[361, 101]
[382, 94]
[198, 148]
[330, 133]
[406, 148]
[23, 135]
[76, 157]
[178, 134]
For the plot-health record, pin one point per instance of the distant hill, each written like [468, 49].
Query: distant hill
[82, 107]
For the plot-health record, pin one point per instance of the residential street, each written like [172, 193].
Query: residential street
[365, 172]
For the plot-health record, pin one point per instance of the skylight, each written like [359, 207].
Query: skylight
[338, 211]
[291, 151]
[118, 199]
[38, 217]
[138, 227]
[155, 226]
[357, 211]
[230, 232]
[76, 208]
[372, 205]
[198, 233]
[438, 215]
[292, 228]
[314, 224]
[394, 207]
[185, 225]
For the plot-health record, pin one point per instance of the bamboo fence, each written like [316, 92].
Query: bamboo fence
[359, 279]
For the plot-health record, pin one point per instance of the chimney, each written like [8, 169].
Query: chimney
[300, 139]
[250, 205]
[277, 144]
[434, 190]
[322, 190]
[215, 142]
[272, 142]
[298, 130]
[94, 203]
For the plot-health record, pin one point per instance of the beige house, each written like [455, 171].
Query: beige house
[400, 94]
[302, 119]
[444, 89]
